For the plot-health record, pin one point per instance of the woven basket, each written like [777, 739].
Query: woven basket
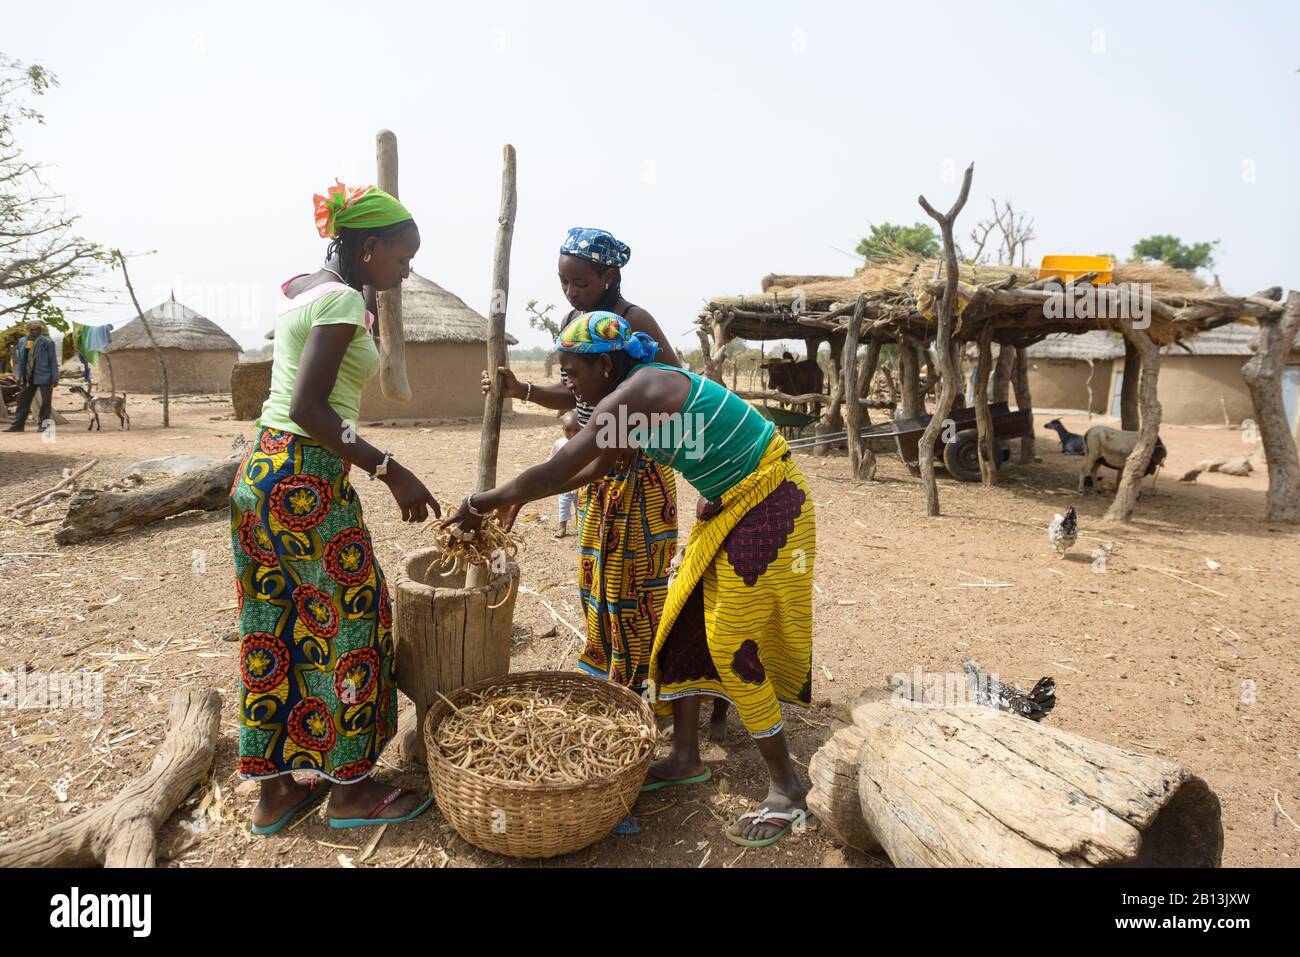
[535, 820]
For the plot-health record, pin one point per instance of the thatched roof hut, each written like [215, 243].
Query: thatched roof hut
[445, 352]
[199, 354]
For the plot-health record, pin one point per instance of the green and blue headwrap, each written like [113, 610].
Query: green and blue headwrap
[596, 332]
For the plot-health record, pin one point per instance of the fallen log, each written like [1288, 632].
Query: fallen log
[833, 797]
[976, 787]
[123, 832]
[93, 513]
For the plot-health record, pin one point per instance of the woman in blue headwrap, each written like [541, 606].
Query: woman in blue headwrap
[627, 519]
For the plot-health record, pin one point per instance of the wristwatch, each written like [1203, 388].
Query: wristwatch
[382, 468]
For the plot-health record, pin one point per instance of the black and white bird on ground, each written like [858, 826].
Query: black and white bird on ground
[1064, 531]
[992, 693]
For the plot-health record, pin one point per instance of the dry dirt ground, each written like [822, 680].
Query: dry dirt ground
[1156, 652]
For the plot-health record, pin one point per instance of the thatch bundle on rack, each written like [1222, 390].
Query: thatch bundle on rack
[895, 299]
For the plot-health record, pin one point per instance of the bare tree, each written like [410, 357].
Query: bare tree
[41, 254]
[120, 260]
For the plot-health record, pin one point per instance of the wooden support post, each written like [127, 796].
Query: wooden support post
[1002, 373]
[1128, 396]
[490, 437]
[392, 336]
[948, 377]
[1263, 375]
[983, 418]
[1024, 400]
[910, 372]
[832, 420]
[1126, 493]
[852, 394]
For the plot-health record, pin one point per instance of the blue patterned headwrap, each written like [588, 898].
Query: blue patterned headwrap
[597, 245]
[599, 331]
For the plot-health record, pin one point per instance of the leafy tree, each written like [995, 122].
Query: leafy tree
[887, 237]
[542, 321]
[41, 256]
[1173, 252]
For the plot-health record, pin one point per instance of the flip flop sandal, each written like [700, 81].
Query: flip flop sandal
[315, 791]
[370, 819]
[658, 785]
[763, 816]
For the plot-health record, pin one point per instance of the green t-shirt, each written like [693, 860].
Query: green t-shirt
[328, 304]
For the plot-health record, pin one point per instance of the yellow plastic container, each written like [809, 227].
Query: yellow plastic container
[1071, 267]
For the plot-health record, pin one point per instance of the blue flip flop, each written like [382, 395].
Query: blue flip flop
[696, 779]
[315, 791]
[370, 820]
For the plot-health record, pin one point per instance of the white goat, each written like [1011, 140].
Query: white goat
[1111, 448]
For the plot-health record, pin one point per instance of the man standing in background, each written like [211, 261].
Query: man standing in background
[38, 370]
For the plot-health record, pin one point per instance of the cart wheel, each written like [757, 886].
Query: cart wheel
[961, 456]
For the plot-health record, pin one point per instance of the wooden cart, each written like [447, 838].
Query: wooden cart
[957, 446]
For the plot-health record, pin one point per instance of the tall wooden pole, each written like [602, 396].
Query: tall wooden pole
[490, 440]
[949, 381]
[148, 331]
[983, 417]
[392, 337]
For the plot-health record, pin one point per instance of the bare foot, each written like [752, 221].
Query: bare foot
[673, 768]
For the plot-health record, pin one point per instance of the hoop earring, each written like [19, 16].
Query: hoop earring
[366, 258]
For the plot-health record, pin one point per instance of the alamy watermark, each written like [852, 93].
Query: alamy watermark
[54, 691]
[1131, 301]
[656, 430]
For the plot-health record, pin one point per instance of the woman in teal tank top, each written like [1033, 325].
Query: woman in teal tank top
[737, 620]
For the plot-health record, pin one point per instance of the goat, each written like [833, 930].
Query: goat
[1071, 442]
[95, 405]
[1106, 446]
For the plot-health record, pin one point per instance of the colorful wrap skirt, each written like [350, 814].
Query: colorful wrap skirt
[318, 690]
[737, 622]
[627, 536]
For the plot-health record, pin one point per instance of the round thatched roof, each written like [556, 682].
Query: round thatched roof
[432, 314]
[175, 326]
[1094, 345]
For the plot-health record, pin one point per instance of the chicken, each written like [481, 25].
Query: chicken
[992, 693]
[1064, 531]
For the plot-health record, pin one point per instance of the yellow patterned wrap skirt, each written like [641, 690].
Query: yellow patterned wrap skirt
[737, 621]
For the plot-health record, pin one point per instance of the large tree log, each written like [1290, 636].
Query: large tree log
[123, 832]
[976, 787]
[92, 513]
[1263, 375]
[833, 797]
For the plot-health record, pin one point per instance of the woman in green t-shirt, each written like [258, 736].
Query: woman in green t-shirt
[318, 690]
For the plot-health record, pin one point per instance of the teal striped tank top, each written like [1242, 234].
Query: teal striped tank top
[715, 441]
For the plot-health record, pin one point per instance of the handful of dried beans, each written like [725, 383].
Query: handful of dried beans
[533, 738]
[460, 550]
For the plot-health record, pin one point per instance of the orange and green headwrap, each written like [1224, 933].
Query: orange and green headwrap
[600, 331]
[356, 207]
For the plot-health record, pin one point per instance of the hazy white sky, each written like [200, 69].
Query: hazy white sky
[722, 141]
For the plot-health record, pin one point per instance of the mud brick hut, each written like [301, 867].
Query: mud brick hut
[198, 353]
[445, 349]
[1200, 377]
